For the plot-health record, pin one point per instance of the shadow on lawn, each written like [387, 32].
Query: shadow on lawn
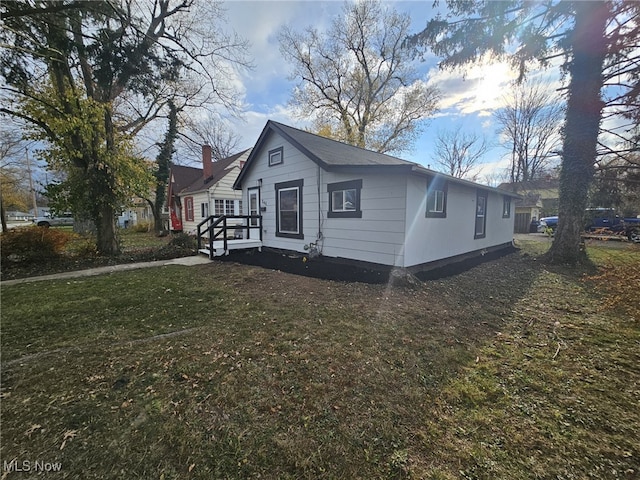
[283, 376]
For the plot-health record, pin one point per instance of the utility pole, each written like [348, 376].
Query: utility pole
[31, 189]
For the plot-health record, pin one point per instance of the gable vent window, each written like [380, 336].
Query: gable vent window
[275, 156]
[344, 199]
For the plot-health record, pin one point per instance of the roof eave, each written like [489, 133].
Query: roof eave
[422, 171]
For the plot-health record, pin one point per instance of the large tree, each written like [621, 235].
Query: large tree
[529, 126]
[89, 76]
[358, 80]
[595, 41]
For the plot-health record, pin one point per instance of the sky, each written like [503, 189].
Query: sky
[468, 98]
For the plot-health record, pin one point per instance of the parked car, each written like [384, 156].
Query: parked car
[55, 221]
[600, 220]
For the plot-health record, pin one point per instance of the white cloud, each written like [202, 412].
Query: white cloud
[259, 22]
[476, 90]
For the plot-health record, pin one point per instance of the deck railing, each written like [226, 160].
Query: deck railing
[216, 226]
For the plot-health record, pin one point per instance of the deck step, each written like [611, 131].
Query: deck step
[217, 252]
[238, 244]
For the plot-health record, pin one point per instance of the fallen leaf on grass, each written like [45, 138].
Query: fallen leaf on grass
[68, 435]
[32, 429]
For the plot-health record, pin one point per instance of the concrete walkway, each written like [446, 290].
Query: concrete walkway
[187, 261]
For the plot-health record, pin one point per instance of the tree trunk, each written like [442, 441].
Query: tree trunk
[582, 124]
[162, 174]
[106, 239]
[158, 224]
[3, 216]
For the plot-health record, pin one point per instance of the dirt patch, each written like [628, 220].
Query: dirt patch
[300, 265]
[331, 269]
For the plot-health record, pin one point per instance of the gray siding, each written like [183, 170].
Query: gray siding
[376, 237]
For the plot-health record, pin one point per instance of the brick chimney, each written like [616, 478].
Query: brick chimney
[207, 162]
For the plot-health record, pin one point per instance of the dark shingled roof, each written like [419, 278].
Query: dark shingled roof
[183, 176]
[333, 155]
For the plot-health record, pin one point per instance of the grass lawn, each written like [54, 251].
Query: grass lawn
[511, 370]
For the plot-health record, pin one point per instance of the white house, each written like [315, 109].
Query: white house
[195, 194]
[322, 197]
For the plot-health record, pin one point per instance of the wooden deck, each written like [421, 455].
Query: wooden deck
[236, 244]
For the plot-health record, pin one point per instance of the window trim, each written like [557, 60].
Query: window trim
[189, 209]
[293, 184]
[434, 185]
[484, 195]
[343, 186]
[218, 207]
[204, 206]
[506, 207]
[229, 206]
[279, 150]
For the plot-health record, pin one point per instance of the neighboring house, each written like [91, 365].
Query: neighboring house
[138, 211]
[194, 194]
[319, 196]
[539, 198]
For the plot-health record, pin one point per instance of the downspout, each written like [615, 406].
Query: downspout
[319, 207]
[314, 248]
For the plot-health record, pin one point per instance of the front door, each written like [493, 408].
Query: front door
[254, 209]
